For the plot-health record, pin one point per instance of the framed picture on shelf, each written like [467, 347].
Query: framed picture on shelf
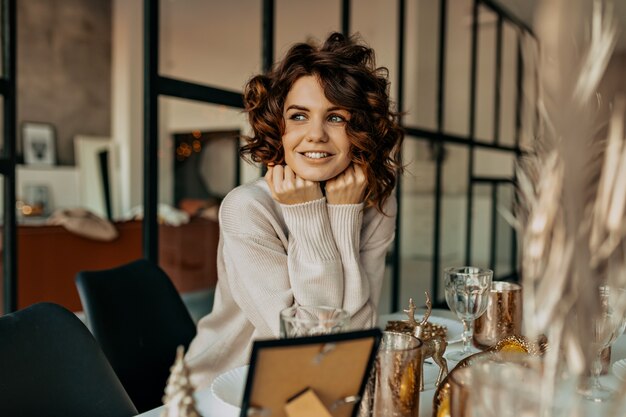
[39, 143]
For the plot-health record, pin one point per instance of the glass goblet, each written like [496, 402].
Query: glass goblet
[467, 292]
[607, 326]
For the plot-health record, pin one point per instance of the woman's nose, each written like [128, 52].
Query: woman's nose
[316, 132]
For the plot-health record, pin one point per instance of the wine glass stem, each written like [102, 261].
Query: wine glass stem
[467, 335]
[596, 368]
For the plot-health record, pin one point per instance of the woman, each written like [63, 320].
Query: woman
[316, 229]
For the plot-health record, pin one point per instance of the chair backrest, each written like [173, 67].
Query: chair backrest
[139, 318]
[50, 365]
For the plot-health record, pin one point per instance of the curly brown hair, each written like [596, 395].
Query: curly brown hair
[347, 72]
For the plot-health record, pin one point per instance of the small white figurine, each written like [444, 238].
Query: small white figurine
[178, 398]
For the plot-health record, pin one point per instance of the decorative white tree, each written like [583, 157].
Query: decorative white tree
[178, 398]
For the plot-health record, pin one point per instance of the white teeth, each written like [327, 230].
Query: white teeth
[315, 155]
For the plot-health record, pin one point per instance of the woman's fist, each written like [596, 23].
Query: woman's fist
[348, 187]
[288, 188]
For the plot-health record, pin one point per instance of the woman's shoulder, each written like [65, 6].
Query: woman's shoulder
[256, 191]
[247, 206]
[390, 210]
[380, 225]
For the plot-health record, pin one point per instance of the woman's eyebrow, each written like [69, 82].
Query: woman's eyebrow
[296, 107]
[337, 108]
[304, 108]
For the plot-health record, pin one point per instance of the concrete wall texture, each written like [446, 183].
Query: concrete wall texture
[64, 68]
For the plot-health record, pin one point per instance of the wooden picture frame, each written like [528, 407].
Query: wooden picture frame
[334, 367]
[39, 143]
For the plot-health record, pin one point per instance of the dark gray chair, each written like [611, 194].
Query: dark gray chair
[137, 315]
[50, 365]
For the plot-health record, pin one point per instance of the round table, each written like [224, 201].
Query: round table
[618, 351]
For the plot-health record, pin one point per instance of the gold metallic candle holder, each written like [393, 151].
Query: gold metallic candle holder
[433, 337]
[503, 316]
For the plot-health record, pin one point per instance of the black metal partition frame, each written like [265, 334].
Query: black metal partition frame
[440, 138]
[395, 254]
[156, 85]
[7, 160]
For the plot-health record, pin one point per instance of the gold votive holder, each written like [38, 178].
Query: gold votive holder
[503, 316]
[393, 386]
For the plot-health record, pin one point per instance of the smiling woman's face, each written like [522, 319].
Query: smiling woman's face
[315, 142]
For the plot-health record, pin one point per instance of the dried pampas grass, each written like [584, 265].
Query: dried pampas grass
[572, 188]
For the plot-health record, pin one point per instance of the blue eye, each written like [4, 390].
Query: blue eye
[335, 118]
[297, 117]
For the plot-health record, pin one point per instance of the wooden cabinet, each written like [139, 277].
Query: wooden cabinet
[49, 257]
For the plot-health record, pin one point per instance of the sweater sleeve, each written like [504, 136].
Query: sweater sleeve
[362, 241]
[263, 277]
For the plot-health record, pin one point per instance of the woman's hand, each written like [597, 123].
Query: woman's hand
[288, 188]
[348, 187]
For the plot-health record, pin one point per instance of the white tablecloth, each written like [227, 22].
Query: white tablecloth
[426, 398]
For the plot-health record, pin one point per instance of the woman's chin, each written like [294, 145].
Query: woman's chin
[315, 176]
[319, 175]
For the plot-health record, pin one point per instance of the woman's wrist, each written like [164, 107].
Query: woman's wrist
[309, 225]
[346, 221]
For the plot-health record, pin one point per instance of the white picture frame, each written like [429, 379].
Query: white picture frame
[39, 143]
[91, 190]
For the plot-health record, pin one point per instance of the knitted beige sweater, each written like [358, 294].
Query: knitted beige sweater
[272, 256]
